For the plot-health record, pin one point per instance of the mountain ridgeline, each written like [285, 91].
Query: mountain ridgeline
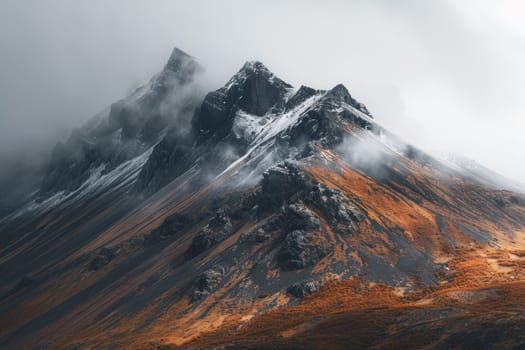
[182, 218]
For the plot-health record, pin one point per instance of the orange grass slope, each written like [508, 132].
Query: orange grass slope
[474, 306]
[321, 230]
[479, 297]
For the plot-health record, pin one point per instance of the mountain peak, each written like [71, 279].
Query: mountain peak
[177, 58]
[255, 66]
[182, 64]
[255, 71]
[340, 93]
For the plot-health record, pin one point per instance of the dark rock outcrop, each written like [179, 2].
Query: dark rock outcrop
[207, 281]
[519, 200]
[301, 249]
[340, 94]
[336, 207]
[104, 256]
[304, 288]
[281, 184]
[286, 183]
[254, 89]
[170, 158]
[298, 217]
[127, 129]
[171, 226]
[218, 229]
[304, 243]
[302, 94]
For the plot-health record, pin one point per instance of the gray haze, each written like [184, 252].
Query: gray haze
[445, 75]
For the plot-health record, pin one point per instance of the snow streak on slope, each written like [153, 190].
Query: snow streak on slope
[97, 183]
[276, 125]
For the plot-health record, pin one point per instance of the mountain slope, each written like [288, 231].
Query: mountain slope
[254, 202]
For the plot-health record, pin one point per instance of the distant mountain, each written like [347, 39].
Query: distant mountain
[473, 169]
[256, 215]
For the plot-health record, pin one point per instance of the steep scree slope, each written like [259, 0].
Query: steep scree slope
[171, 219]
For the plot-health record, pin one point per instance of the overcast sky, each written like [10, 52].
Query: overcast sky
[445, 75]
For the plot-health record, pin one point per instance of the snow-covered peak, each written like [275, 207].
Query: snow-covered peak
[340, 94]
[257, 70]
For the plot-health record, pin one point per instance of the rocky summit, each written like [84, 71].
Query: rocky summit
[258, 215]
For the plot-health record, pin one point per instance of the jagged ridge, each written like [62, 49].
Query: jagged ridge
[269, 195]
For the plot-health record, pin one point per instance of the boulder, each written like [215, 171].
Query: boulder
[304, 288]
[218, 229]
[301, 249]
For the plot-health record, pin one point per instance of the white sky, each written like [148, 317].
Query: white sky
[445, 75]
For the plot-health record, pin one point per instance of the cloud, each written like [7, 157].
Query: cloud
[431, 71]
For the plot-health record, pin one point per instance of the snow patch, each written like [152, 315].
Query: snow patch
[97, 183]
[276, 125]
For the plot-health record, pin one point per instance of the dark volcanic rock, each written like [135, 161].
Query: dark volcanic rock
[304, 243]
[287, 183]
[104, 256]
[304, 288]
[300, 96]
[170, 158]
[301, 249]
[171, 226]
[336, 207]
[317, 125]
[299, 217]
[207, 282]
[519, 200]
[127, 129]
[340, 94]
[261, 90]
[254, 89]
[218, 229]
[281, 184]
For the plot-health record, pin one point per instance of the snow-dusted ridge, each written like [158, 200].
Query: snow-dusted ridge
[276, 123]
[97, 183]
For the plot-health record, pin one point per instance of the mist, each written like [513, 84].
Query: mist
[442, 75]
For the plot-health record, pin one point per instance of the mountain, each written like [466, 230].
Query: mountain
[472, 169]
[257, 215]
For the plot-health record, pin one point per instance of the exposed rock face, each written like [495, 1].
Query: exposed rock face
[301, 249]
[170, 158]
[304, 244]
[127, 129]
[104, 256]
[207, 282]
[281, 184]
[519, 200]
[182, 66]
[304, 288]
[299, 217]
[302, 94]
[254, 89]
[340, 94]
[218, 229]
[287, 183]
[336, 207]
[173, 225]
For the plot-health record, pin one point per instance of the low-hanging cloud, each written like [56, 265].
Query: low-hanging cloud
[430, 71]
